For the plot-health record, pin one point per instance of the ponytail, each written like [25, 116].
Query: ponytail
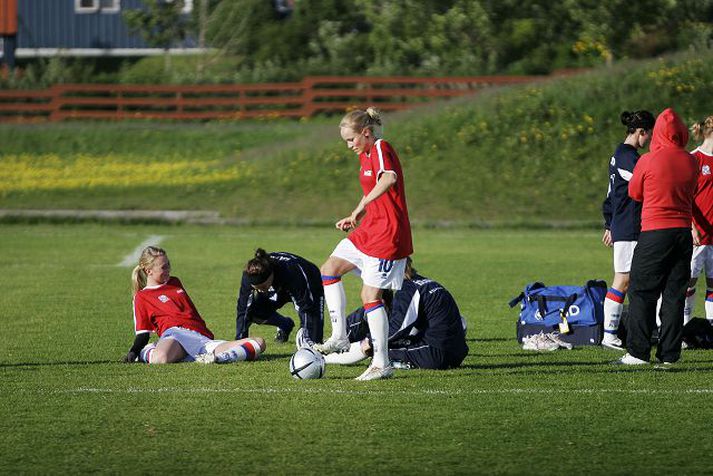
[703, 129]
[138, 279]
[409, 272]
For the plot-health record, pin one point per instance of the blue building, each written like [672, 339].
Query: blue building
[83, 28]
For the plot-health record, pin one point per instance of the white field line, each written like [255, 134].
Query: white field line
[133, 258]
[424, 392]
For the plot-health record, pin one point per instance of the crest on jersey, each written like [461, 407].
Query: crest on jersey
[706, 170]
[163, 298]
[367, 173]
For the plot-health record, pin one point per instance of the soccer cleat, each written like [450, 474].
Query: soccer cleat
[207, 358]
[302, 339]
[612, 342]
[332, 345]
[663, 366]
[282, 335]
[628, 359]
[376, 373]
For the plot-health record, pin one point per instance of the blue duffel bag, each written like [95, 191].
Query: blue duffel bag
[575, 312]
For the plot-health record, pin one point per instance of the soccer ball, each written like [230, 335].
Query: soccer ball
[306, 364]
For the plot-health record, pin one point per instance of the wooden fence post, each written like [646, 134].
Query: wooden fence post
[308, 106]
[56, 103]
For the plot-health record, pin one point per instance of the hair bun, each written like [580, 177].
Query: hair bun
[374, 113]
[626, 118]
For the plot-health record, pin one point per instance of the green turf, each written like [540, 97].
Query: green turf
[68, 406]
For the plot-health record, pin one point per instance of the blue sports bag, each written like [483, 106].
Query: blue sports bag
[576, 312]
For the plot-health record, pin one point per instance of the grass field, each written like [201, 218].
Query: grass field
[68, 406]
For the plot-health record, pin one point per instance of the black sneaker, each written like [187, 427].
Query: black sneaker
[282, 335]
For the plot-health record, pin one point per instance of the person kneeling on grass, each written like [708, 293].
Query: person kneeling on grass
[271, 280]
[162, 305]
[426, 329]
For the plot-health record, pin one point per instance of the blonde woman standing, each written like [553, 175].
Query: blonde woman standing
[378, 243]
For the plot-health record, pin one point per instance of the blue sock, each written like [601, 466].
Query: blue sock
[278, 320]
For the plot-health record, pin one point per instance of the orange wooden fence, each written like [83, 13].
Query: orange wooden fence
[313, 95]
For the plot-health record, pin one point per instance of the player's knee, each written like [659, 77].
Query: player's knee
[328, 268]
[369, 294]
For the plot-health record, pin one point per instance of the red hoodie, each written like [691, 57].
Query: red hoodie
[665, 178]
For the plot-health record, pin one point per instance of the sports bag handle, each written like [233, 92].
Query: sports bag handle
[516, 300]
[542, 303]
[530, 287]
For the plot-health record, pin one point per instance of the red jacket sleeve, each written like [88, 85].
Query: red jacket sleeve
[636, 184]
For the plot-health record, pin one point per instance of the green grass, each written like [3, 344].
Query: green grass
[67, 405]
[522, 155]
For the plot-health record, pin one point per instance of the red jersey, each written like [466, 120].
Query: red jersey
[159, 308]
[665, 178]
[385, 231]
[703, 200]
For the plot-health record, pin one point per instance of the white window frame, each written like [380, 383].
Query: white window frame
[187, 6]
[114, 8]
[78, 8]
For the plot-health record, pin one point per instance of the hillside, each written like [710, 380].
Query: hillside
[519, 155]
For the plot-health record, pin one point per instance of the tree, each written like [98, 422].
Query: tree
[160, 23]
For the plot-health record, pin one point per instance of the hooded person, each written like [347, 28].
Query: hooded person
[664, 180]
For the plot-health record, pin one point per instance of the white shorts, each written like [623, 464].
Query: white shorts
[194, 343]
[374, 272]
[623, 253]
[702, 258]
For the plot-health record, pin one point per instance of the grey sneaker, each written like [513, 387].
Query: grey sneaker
[628, 359]
[332, 345]
[376, 373]
[612, 342]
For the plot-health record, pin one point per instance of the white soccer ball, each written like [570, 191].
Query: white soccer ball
[307, 364]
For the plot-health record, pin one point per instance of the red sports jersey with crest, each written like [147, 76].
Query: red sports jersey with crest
[385, 231]
[159, 308]
[703, 200]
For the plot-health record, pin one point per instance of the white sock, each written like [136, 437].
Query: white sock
[613, 306]
[352, 356]
[689, 306]
[249, 350]
[379, 329]
[145, 354]
[336, 303]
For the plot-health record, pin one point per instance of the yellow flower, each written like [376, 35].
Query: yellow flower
[27, 172]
